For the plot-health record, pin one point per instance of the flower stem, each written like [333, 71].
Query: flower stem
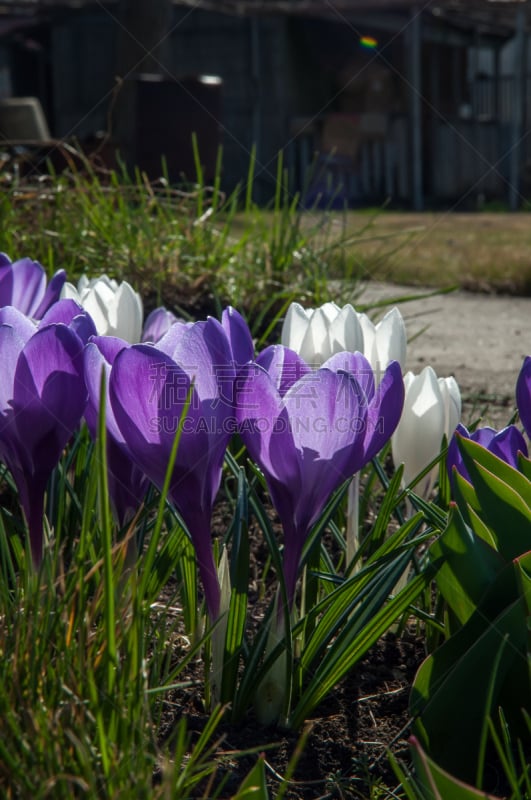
[353, 514]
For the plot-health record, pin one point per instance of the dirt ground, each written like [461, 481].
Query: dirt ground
[481, 339]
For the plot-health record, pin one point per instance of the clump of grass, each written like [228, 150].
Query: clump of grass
[192, 248]
[90, 652]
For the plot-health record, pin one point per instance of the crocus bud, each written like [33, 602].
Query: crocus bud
[115, 308]
[432, 407]
[318, 333]
[506, 444]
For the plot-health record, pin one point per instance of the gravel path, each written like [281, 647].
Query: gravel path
[481, 339]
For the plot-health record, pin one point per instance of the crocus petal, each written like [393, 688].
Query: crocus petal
[70, 313]
[258, 410]
[22, 285]
[25, 327]
[239, 336]
[284, 366]
[69, 292]
[327, 422]
[454, 459]
[368, 329]
[98, 356]
[295, 326]
[452, 404]
[127, 483]
[358, 365]
[115, 309]
[49, 398]
[391, 339]
[99, 302]
[345, 331]
[11, 345]
[507, 444]
[315, 346]
[49, 395]
[128, 314]
[523, 395]
[157, 324]
[417, 439]
[384, 410]
[204, 344]
[51, 295]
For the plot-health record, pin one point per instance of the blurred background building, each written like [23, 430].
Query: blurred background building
[421, 104]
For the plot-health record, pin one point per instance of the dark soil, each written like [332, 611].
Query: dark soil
[348, 737]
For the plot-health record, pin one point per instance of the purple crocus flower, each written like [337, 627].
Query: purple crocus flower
[523, 395]
[42, 399]
[505, 444]
[384, 402]
[23, 285]
[309, 431]
[157, 324]
[127, 483]
[148, 390]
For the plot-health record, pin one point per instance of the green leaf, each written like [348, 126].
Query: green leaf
[390, 501]
[434, 783]
[237, 615]
[369, 585]
[352, 644]
[467, 566]
[465, 494]
[504, 497]
[524, 465]
[254, 787]
[480, 528]
[166, 562]
[458, 676]
[475, 455]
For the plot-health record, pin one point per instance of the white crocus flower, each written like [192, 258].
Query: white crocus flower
[384, 341]
[432, 409]
[115, 308]
[318, 333]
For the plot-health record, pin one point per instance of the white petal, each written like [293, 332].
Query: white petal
[417, 439]
[452, 403]
[100, 304]
[369, 339]
[70, 292]
[83, 283]
[295, 326]
[129, 313]
[315, 347]
[330, 311]
[103, 280]
[345, 332]
[391, 339]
